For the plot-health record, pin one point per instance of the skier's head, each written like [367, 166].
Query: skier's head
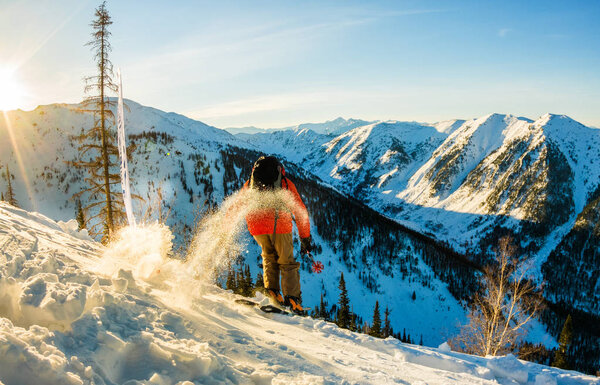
[267, 173]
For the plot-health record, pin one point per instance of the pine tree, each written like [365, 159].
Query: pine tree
[98, 153]
[230, 284]
[10, 195]
[241, 282]
[260, 281]
[1, 196]
[421, 340]
[247, 282]
[376, 326]
[414, 295]
[564, 341]
[387, 328]
[343, 316]
[354, 322]
[79, 215]
[323, 309]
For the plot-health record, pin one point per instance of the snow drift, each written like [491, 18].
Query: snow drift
[64, 320]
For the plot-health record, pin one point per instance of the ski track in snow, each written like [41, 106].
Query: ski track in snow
[63, 322]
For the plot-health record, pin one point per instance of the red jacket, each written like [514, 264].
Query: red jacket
[262, 222]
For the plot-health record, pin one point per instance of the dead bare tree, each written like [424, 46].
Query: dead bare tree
[501, 311]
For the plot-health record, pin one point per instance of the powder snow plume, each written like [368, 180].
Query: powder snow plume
[141, 249]
[219, 241]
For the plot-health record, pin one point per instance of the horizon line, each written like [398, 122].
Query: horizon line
[291, 126]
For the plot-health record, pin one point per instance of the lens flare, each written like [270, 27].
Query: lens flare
[11, 92]
[18, 158]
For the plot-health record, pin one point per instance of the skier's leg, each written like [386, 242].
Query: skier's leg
[270, 266]
[290, 269]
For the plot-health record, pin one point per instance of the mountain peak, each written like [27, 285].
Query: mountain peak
[332, 127]
[558, 123]
[496, 117]
[550, 117]
[448, 126]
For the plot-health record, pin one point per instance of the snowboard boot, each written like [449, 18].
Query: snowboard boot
[276, 297]
[295, 305]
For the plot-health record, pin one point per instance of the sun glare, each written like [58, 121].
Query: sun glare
[11, 91]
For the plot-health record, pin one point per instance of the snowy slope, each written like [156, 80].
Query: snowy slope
[391, 149]
[481, 143]
[74, 312]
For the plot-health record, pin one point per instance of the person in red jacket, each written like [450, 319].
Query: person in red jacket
[271, 226]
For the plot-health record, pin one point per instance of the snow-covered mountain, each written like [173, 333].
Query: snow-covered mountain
[465, 182]
[471, 182]
[462, 180]
[69, 317]
[195, 166]
[249, 130]
[539, 171]
[329, 128]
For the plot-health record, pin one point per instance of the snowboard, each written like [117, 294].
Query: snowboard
[264, 308]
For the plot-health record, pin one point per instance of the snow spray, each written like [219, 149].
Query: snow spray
[143, 250]
[219, 241]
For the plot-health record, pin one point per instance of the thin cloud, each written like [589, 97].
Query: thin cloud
[258, 47]
[503, 32]
[414, 12]
[276, 102]
[278, 32]
[60, 24]
[261, 104]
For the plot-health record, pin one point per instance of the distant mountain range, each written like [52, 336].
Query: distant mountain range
[462, 181]
[331, 127]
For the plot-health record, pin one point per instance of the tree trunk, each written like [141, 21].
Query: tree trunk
[105, 160]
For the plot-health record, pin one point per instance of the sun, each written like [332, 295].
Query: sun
[11, 92]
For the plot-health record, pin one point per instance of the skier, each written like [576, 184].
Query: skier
[272, 230]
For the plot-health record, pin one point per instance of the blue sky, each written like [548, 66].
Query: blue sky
[278, 63]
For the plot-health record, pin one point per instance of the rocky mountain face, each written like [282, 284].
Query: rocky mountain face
[571, 270]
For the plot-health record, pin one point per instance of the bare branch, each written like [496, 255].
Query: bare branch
[501, 311]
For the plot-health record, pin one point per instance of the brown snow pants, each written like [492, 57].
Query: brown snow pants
[278, 257]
